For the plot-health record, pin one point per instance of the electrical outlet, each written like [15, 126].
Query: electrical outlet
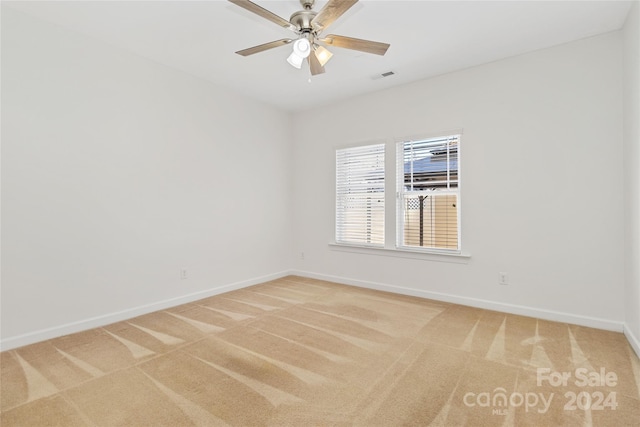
[504, 279]
[183, 273]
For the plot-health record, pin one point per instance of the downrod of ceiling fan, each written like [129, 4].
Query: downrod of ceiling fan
[307, 4]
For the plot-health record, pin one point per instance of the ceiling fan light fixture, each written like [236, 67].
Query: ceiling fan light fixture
[302, 48]
[295, 60]
[322, 54]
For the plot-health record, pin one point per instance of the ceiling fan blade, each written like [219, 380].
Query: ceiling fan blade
[260, 11]
[330, 12]
[263, 47]
[314, 64]
[368, 46]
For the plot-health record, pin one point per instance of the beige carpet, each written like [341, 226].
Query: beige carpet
[303, 352]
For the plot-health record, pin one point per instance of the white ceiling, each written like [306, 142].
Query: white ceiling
[427, 38]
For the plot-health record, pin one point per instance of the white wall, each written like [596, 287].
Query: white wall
[118, 172]
[542, 187]
[632, 174]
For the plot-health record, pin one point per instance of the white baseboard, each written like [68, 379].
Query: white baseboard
[98, 321]
[556, 316]
[634, 341]
[95, 322]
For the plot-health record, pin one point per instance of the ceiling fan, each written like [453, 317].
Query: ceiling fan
[308, 24]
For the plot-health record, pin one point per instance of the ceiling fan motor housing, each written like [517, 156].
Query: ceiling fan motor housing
[302, 20]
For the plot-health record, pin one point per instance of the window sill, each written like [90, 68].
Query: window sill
[453, 257]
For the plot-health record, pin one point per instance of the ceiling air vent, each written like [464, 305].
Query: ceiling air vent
[380, 76]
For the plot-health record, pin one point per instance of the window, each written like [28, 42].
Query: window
[360, 195]
[427, 201]
[428, 196]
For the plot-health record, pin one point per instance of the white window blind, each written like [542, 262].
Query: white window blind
[428, 196]
[360, 195]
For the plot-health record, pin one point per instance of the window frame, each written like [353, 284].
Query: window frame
[342, 189]
[392, 198]
[401, 192]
